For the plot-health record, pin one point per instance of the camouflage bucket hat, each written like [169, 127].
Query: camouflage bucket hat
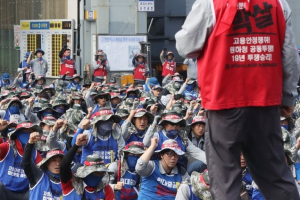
[52, 153]
[199, 119]
[37, 106]
[74, 119]
[173, 117]
[151, 102]
[141, 112]
[171, 145]
[45, 107]
[93, 92]
[191, 81]
[136, 91]
[76, 76]
[101, 94]
[14, 100]
[92, 163]
[105, 114]
[115, 94]
[9, 128]
[134, 148]
[49, 120]
[40, 77]
[25, 94]
[23, 126]
[77, 95]
[38, 88]
[200, 185]
[122, 112]
[49, 90]
[60, 101]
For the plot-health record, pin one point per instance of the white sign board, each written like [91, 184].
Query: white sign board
[17, 37]
[146, 5]
[48, 35]
[120, 50]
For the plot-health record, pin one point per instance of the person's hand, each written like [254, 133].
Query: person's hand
[118, 186]
[153, 108]
[135, 54]
[31, 52]
[298, 143]
[104, 77]
[4, 101]
[19, 74]
[192, 104]
[157, 118]
[31, 101]
[85, 124]
[58, 124]
[187, 80]
[34, 137]
[3, 124]
[25, 68]
[189, 114]
[154, 142]
[286, 111]
[165, 49]
[81, 139]
[67, 72]
[31, 73]
[201, 113]
[135, 103]
[92, 85]
[90, 109]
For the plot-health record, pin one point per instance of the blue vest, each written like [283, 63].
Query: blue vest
[192, 94]
[104, 148]
[46, 189]
[193, 196]
[130, 180]
[134, 138]
[71, 85]
[159, 186]
[88, 195]
[163, 137]
[23, 84]
[2, 84]
[248, 180]
[147, 88]
[12, 174]
[96, 108]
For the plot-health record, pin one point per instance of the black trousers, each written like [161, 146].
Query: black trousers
[6, 194]
[256, 132]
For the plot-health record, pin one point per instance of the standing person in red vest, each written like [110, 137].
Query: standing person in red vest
[101, 67]
[248, 70]
[140, 69]
[67, 64]
[168, 62]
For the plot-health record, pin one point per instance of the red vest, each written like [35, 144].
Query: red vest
[242, 66]
[168, 68]
[100, 71]
[139, 72]
[68, 66]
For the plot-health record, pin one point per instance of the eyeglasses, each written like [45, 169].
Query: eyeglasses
[170, 154]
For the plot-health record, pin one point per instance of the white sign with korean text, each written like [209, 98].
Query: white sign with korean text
[146, 5]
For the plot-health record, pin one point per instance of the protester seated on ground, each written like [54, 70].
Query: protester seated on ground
[197, 188]
[125, 180]
[162, 177]
[5, 80]
[135, 126]
[86, 181]
[104, 136]
[172, 124]
[44, 179]
[14, 184]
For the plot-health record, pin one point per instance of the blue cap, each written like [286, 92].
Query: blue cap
[39, 50]
[153, 81]
[27, 54]
[5, 76]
